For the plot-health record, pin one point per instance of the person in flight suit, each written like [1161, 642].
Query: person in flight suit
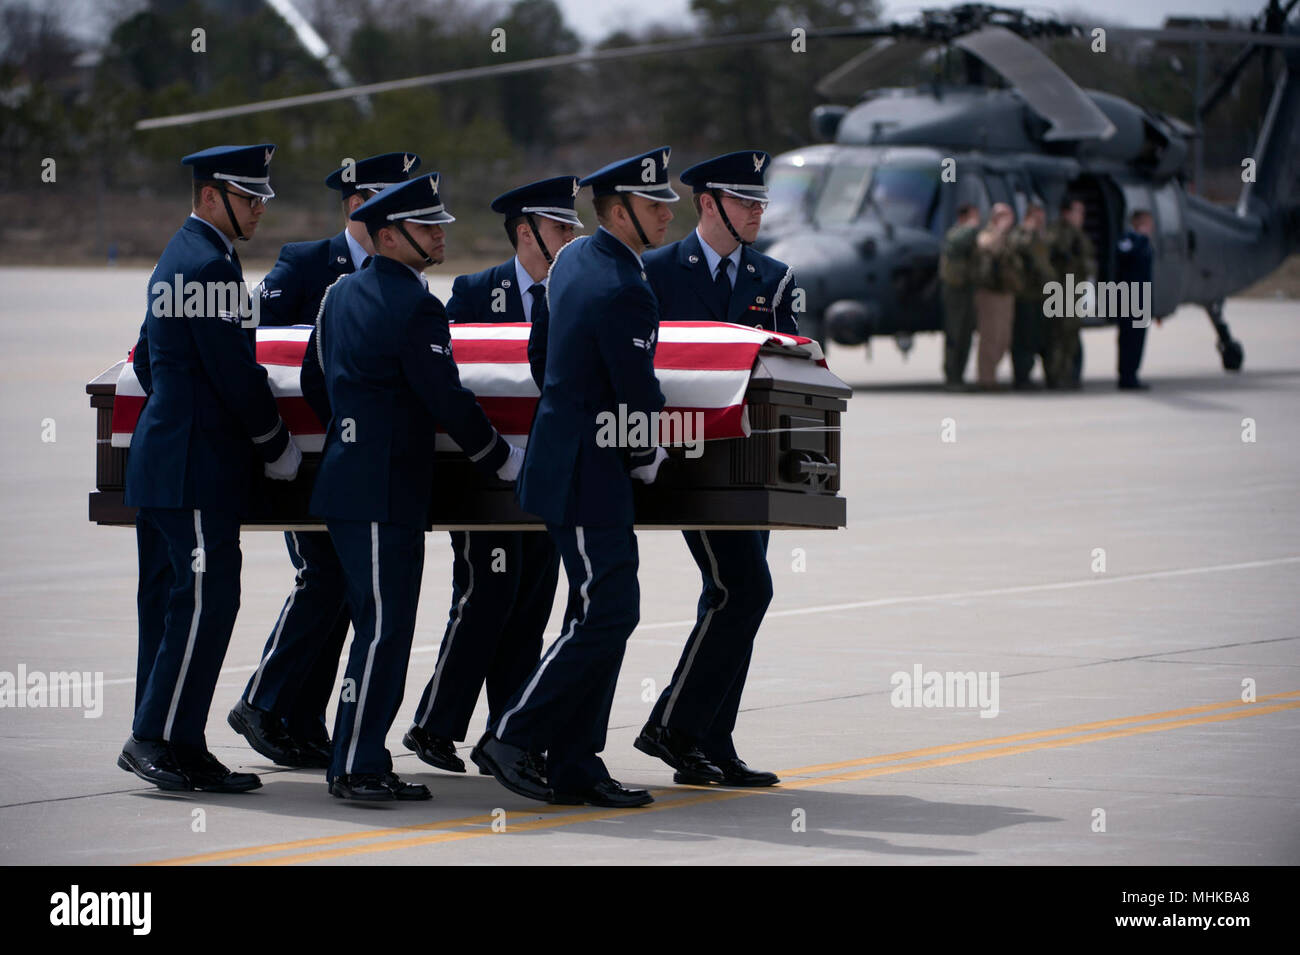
[998, 277]
[1027, 333]
[1134, 261]
[1071, 253]
[503, 582]
[209, 424]
[956, 274]
[714, 275]
[379, 368]
[282, 710]
[603, 326]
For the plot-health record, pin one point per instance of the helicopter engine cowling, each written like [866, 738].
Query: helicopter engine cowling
[850, 322]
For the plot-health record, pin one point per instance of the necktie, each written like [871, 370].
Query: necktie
[234, 258]
[722, 286]
[540, 311]
[366, 261]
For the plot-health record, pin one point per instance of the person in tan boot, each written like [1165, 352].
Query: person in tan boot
[998, 276]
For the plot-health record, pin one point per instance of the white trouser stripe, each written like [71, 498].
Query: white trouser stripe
[374, 643]
[699, 636]
[451, 636]
[555, 647]
[194, 625]
[298, 584]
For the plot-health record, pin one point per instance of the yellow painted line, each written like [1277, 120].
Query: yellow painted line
[228, 854]
[1039, 734]
[721, 795]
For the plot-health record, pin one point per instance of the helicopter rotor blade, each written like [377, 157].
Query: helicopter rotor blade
[1044, 85]
[1188, 35]
[501, 69]
[873, 67]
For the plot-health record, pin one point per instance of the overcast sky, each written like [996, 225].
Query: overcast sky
[593, 19]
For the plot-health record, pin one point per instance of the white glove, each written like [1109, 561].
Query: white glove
[648, 472]
[514, 464]
[285, 467]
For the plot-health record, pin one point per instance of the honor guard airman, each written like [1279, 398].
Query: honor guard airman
[503, 582]
[209, 424]
[1134, 264]
[599, 360]
[379, 367]
[714, 275]
[282, 710]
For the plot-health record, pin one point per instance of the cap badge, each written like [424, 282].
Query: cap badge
[268, 156]
[407, 163]
[576, 187]
[758, 162]
[434, 183]
[666, 159]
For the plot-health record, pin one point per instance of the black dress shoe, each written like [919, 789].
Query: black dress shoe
[207, 773]
[315, 751]
[154, 761]
[736, 773]
[515, 768]
[678, 751]
[437, 751]
[1134, 385]
[265, 733]
[607, 792]
[377, 787]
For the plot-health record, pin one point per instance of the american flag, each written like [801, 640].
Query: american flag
[701, 366]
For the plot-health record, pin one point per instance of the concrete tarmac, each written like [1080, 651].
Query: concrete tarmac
[1125, 564]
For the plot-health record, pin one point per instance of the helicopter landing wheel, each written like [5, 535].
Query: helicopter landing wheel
[1232, 354]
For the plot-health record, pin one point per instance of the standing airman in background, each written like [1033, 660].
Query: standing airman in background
[1071, 253]
[1134, 264]
[1027, 335]
[998, 277]
[282, 710]
[956, 275]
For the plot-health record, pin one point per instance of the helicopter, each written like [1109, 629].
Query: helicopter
[860, 215]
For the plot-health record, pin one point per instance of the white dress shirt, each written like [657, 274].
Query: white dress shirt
[712, 258]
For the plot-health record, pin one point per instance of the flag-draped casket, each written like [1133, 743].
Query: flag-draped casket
[751, 425]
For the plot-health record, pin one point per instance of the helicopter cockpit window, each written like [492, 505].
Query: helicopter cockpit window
[789, 189]
[906, 195]
[843, 193]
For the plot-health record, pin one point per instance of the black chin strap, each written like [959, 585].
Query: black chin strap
[234, 223]
[717, 201]
[532, 224]
[640, 233]
[428, 259]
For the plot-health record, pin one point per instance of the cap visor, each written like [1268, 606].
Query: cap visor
[567, 220]
[262, 189]
[758, 192]
[435, 219]
[662, 194]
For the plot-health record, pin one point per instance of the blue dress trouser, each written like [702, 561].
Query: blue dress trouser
[295, 678]
[187, 608]
[503, 586]
[563, 707]
[703, 697]
[383, 564]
